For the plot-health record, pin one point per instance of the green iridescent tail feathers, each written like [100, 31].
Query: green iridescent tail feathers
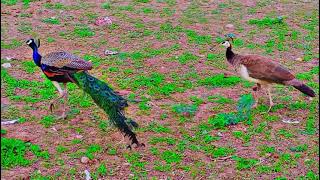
[112, 103]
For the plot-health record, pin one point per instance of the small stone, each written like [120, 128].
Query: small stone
[229, 26]
[219, 134]
[54, 129]
[108, 52]
[79, 136]
[9, 58]
[186, 114]
[299, 59]
[103, 21]
[6, 65]
[84, 160]
[126, 164]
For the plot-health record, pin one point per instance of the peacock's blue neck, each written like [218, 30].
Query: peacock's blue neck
[36, 56]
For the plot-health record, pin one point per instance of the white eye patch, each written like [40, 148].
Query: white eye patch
[29, 41]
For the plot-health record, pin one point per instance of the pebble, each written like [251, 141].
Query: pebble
[298, 59]
[126, 164]
[84, 160]
[229, 26]
[79, 136]
[6, 65]
[219, 134]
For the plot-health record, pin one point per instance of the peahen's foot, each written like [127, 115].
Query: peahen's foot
[63, 116]
[271, 105]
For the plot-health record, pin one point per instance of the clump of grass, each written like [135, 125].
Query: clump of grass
[194, 37]
[51, 20]
[243, 113]
[14, 44]
[83, 31]
[244, 163]
[299, 148]
[106, 5]
[266, 22]
[219, 80]
[185, 108]
[13, 152]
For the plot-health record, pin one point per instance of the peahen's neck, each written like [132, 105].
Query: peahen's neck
[36, 56]
[230, 55]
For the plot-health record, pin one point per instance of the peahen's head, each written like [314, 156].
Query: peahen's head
[33, 44]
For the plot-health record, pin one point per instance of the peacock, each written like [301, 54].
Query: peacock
[64, 67]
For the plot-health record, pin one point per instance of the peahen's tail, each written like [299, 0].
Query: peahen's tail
[112, 103]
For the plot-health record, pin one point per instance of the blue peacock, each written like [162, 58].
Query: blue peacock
[64, 67]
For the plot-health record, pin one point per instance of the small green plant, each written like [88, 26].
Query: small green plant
[266, 22]
[171, 157]
[47, 121]
[61, 149]
[106, 5]
[185, 108]
[244, 163]
[14, 44]
[299, 148]
[219, 80]
[13, 152]
[51, 20]
[83, 31]
[243, 113]
[187, 57]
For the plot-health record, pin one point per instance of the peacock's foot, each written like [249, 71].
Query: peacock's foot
[136, 145]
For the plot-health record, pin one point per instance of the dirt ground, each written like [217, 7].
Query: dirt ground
[138, 29]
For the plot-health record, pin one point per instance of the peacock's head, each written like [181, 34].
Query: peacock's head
[32, 43]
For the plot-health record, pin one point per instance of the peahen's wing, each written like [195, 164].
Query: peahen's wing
[261, 68]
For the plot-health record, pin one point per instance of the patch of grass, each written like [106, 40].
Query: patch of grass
[220, 99]
[106, 5]
[219, 80]
[299, 148]
[13, 153]
[47, 121]
[54, 6]
[243, 113]
[50, 39]
[92, 149]
[285, 133]
[9, 2]
[194, 37]
[185, 108]
[168, 140]
[29, 66]
[83, 31]
[51, 20]
[266, 22]
[61, 149]
[171, 157]
[244, 163]
[25, 27]
[14, 44]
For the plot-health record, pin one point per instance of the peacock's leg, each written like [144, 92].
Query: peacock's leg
[65, 97]
[61, 94]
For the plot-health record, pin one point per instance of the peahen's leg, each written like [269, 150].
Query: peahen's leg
[270, 97]
[254, 94]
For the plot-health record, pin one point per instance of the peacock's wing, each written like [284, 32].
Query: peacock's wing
[65, 61]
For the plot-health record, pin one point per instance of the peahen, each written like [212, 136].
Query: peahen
[63, 67]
